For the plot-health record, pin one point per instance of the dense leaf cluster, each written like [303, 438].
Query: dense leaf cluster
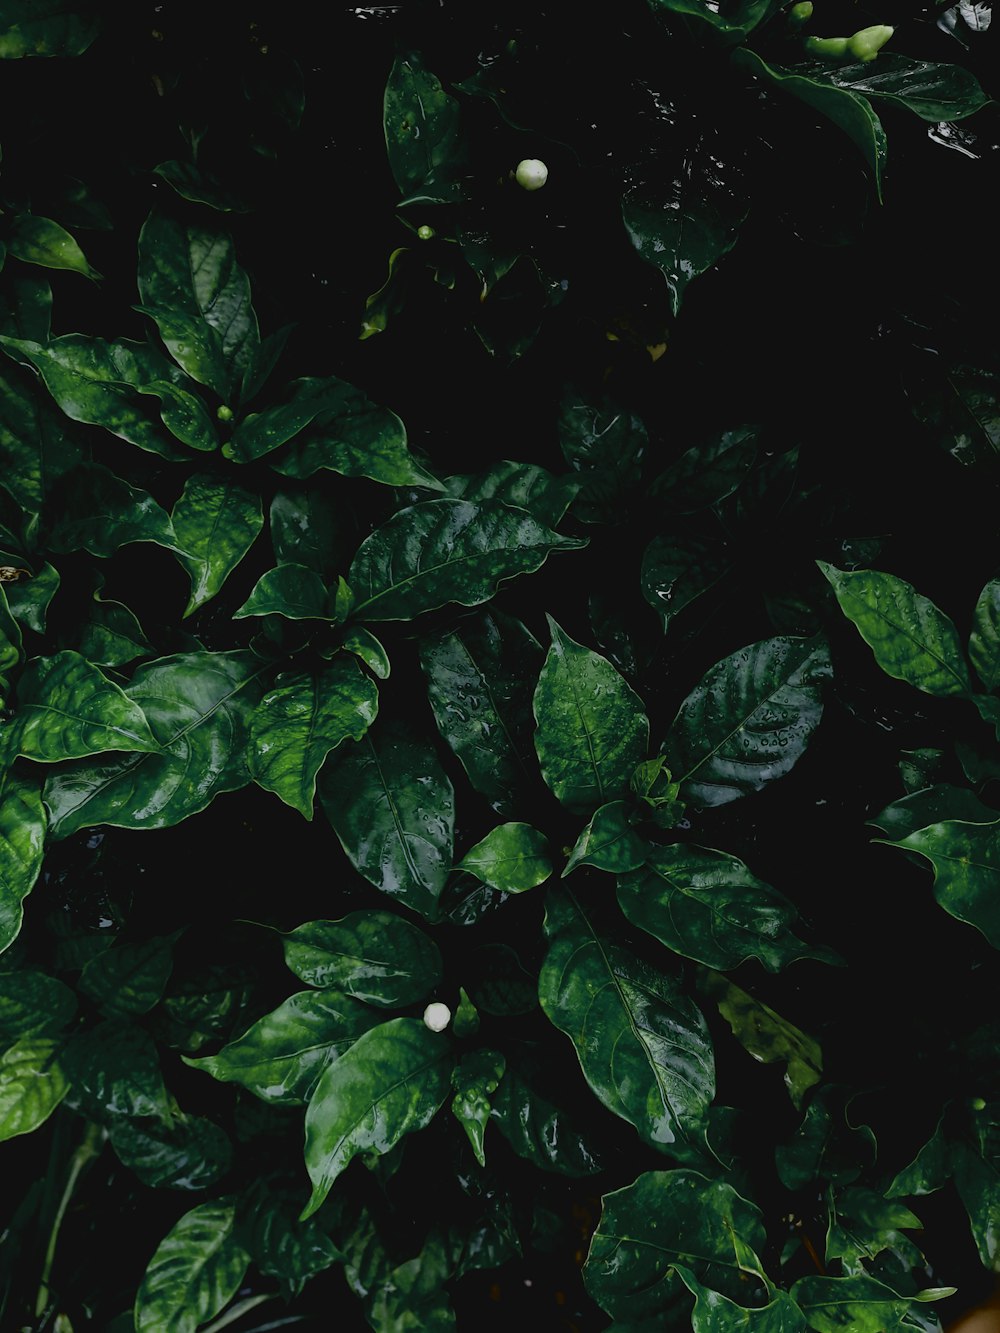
[495, 638]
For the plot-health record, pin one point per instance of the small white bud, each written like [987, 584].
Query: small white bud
[531, 174]
[437, 1016]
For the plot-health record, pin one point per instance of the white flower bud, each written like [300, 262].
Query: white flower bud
[531, 174]
[437, 1016]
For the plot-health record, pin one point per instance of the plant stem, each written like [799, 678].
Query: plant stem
[93, 1142]
[237, 1312]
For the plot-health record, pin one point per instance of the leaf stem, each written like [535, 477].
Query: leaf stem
[90, 1147]
[237, 1312]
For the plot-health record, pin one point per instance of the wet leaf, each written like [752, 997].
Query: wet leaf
[984, 641]
[112, 637]
[863, 1225]
[215, 523]
[932, 805]
[709, 472]
[42, 241]
[183, 1153]
[715, 1313]
[196, 1270]
[421, 125]
[297, 593]
[678, 569]
[475, 1079]
[606, 443]
[376, 956]
[522, 485]
[390, 1083]
[733, 23]
[512, 858]
[38, 442]
[863, 1304]
[608, 843]
[826, 1145]
[115, 1072]
[934, 92]
[262, 432]
[539, 1130]
[364, 645]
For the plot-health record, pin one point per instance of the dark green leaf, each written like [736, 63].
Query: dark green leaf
[608, 843]
[592, 730]
[826, 1145]
[512, 858]
[22, 834]
[966, 861]
[479, 681]
[734, 22]
[28, 597]
[606, 443]
[643, 1046]
[375, 956]
[523, 485]
[47, 28]
[129, 978]
[447, 551]
[984, 641]
[932, 805]
[539, 1130]
[198, 186]
[299, 721]
[421, 126]
[185, 1153]
[112, 636]
[715, 1313]
[749, 720]
[388, 1084]
[305, 530]
[33, 1005]
[281, 1057]
[663, 1218]
[678, 569]
[196, 1270]
[38, 442]
[978, 1184]
[932, 91]
[863, 1224]
[262, 432]
[297, 593]
[707, 905]
[32, 1084]
[96, 511]
[215, 524]
[709, 472]
[911, 639]
[197, 705]
[115, 1072]
[862, 1304]
[475, 1080]
[364, 645]
[282, 1246]
[42, 241]
[929, 1171]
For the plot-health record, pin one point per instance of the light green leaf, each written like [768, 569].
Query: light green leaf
[966, 861]
[196, 1270]
[297, 593]
[388, 1084]
[862, 1304]
[47, 28]
[479, 681]
[512, 858]
[22, 835]
[281, 1057]
[421, 124]
[393, 808]
[184, 415]
[32, 1084]
[197, 706]
[707, 905]
[376, 956]
[592, 730]
[475, 1079]
[98, 512]
[643, 1046]
[42, 241]
[363, 644]
[749, 720]
[609, 842]
[215, 524]
[67, 708]
[446, 551]
[911, 639]
[663, 1218]
[303, 718]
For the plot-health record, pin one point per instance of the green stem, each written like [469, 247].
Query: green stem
[237, 1312]
[93, 1142]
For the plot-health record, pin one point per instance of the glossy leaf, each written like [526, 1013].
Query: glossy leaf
[115, 1071]
[198, 706]
[522, 485]
[734, 23]
[376, 956]
[707, 905]
[96, 511]
[932, 805]
[363, 644]
[196, 1270]
[479, 680]
[606, 443]
[393, 809]
[665, 1217]
[281, 1057]
[22, 835]
[715, 1313]
[38, 442]
[446, 551]
[32, 1004]
[281, 1245]
[199, 187]
[42, 241]
[643, 1046]
[911, 639]
[933, 91]
[966, 861]
[826, 1145]
[678, 569]
[863, 1225]
[512, 858]
[421, 124]
[540, 1131]
[863, 1304]
[709, 472]
[215, 523]
[129, 978]
[475, 1080]
[112, 637]
[183, 1153]
[984, 641]
[609, 842]
[297, 593]
[263, 432]
[67, 708]
[193, 272]
[32, 1084]
[305, 526]
[748, 721]
[592, 730]
[299, 721]
[767, 1036]
[388, 1084]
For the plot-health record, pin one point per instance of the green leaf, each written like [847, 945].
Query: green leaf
[96, 511]
[978, 1184]
[606, 443]
[749, 720]
[715, 1313]
[215, 523]
[522, 485]
[197, 706]
[22, 835]
[129, 978]
[281, 1057]
[376, 956]
[863, 1304]
[932, 91]
[33, 1004]
[475, 1079]
[32, 1084]
[734, 23]
[848, 110]
[767, 1036]
[388, 1084]
[29, 597]
[282, 1246]
[38, 442]
[297, 593]
[643, 1046]
[863, 1224]
[190, 271]
[47, 28]
[932, 805]
[608, 843]
[67, 708]
[663, 1218]
[512, 858]
[911, 639]
[930, 1170]
[42, 241]
[183, 1153]
[684, 223]
[826, 1145]
[984, 641]
[305, 530]
[447, 551]
[479, 682]
[115, 1072]
[26, 307]
[112, 637]
[196, 1270]
[538, 1129]
[364, 645]
[393, 809]
[592, 730]
[421, 124]
[707, 905]
[357, 439]
[303, 718]
[199, 187]
[966, 861]
[678, 569]
[262, 432]
[709, 472]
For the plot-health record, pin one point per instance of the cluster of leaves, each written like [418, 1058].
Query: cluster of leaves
[474, 733]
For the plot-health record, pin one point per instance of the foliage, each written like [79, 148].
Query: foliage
[559, 629]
